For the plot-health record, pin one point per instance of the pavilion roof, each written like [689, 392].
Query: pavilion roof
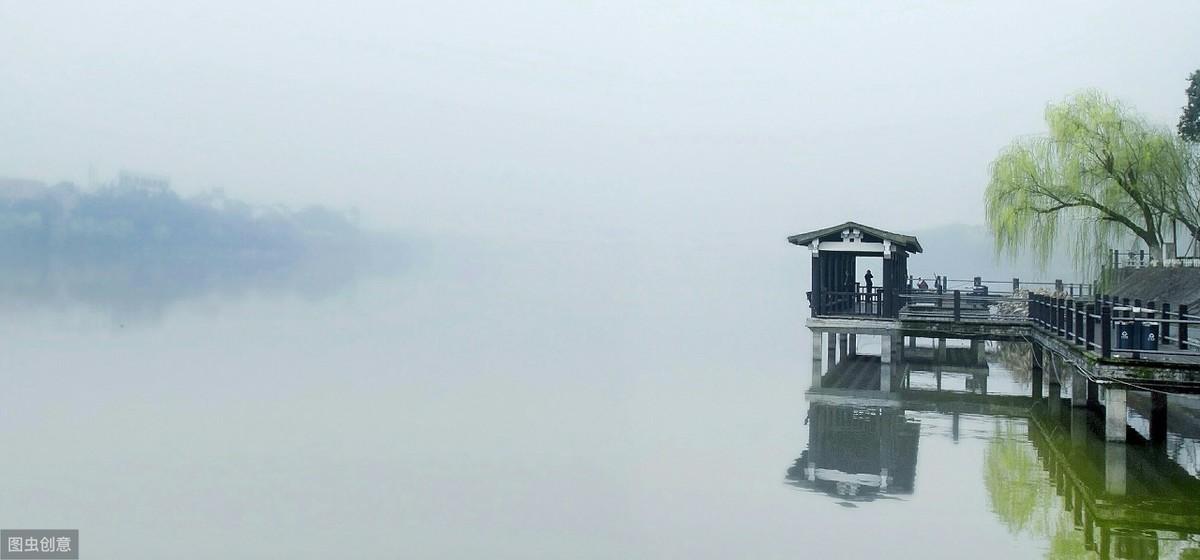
[834, 233]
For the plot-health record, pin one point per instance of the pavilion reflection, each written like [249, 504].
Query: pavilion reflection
[858, 453]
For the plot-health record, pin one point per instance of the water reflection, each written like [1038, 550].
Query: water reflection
[858, 453]
[1048, 472]
[133, 288]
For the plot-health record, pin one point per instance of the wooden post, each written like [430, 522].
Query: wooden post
[1183, 328]
[1089, 329]
[957, 305]
[1106, 330]
[1080, 318]
[1137, 343]
[1069, 324]
[1166, 315]
[1061, 311]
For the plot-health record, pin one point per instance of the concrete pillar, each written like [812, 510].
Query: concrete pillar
[912, 342]
[981, 382]
[1093, 395]
[1054, 400]
[842, 344]
[887, 347]
[1114, 468]
[954, 426]
[940, 352]
[1115, 413]
[1158, 417]
[1079, 427]
[1078, 389]
[978, 350]
[1089, 531]
[853, 345]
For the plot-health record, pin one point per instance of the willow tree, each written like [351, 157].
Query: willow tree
[1097, 178]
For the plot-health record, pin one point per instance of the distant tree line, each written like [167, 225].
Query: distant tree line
[1101, 176]
[146, 217]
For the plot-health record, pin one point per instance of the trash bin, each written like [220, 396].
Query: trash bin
[1148, 335]
[1127, 336]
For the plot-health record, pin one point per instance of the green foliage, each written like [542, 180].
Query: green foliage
[1013, 480]
[1098, 177]
[1189, 121]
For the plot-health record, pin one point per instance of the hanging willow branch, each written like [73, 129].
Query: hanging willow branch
[1102, 175]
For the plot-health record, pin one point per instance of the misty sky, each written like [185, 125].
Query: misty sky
[571, 119]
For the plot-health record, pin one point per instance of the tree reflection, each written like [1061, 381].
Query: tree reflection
[1022, 497]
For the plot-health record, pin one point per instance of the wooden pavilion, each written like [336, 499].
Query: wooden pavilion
[835, 289]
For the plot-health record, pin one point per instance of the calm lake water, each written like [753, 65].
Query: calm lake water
[553, 400]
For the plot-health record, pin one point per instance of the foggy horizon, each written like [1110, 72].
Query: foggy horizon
[513, 280]
[550, 120]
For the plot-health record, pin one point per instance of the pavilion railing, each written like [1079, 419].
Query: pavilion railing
[857, 303]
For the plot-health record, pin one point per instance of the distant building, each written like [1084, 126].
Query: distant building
[128, 180]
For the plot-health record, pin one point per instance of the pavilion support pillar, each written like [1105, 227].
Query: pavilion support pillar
[912, 342]
[1035, 366]
[886, 349]
[888, 301]
[842, 339]
[1114, 468]
[1116, 412]
[817, 343]
[1093, 395]
[1078, 389]
[1158, 417]
[818, 275]
[830, 350]
[852, 345]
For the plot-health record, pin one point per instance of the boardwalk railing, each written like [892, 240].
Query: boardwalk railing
[1140, 259]
[942, 284]
[1112, 326]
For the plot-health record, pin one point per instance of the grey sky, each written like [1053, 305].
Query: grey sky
[571, 119]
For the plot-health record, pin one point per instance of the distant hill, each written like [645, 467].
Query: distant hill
[139, 216]
[135, 246]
